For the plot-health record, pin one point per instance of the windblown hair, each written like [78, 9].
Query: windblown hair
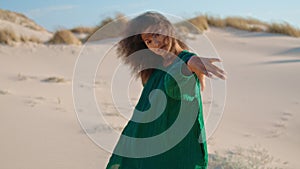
[144, 63]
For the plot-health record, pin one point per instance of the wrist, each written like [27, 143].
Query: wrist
[189, 62]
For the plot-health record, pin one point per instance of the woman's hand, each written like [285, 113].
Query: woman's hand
[205, 67]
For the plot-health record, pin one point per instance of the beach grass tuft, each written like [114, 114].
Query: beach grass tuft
[83, 29]
[64, 37]
[54, 79]
[8, 37]
[284, 28]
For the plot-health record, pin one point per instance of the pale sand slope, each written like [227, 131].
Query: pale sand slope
[263, 87]
[39, 127]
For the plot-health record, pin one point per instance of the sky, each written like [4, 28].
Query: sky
[58, 14]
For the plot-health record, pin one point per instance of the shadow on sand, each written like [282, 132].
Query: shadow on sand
[290, 52]
[282, 61]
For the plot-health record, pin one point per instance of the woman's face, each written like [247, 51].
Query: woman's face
[157, 43]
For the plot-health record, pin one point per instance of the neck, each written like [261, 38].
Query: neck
[177, 49]
[174, 52]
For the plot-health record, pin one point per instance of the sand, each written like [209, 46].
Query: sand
[39, 126]
[22, 31]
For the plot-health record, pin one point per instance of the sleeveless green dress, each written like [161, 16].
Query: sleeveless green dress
[185, 146]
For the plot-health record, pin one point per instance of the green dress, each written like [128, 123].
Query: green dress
[185, 147]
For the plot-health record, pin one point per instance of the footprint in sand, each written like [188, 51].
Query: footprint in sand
[34, 101]
[101, 83]
[60, 109]
[211, 141]
[248, 135]
[22, 77]
[31, 102]
[109, 109]
[58, 105]
[4, 92]
[279, 126]
[50, 79]
[102, 128]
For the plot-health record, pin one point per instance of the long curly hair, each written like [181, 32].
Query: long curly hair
[143, 63]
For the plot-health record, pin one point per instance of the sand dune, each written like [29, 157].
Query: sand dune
[24, 31]
[39, 127]
[22, 27]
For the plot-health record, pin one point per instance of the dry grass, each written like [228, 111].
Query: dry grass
[203, 22]
[105, 21]
[215, 21]
[82, 29]
[30, 39]
[284, 28]
[247, 158]
[120, 17]
[64, 37]
[194, 25]
[54, 79]
[20, 19]
[254, 25]
[237, 23]
[200, 22]
[247, 24]
[8, 37]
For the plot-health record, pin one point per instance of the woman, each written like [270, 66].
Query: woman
[164, 65]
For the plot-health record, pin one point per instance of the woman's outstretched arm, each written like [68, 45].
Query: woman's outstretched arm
[204, 66]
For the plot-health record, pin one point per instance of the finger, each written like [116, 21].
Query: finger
[208, 69]
[219, 75]
[215, 60]
[216, 68]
